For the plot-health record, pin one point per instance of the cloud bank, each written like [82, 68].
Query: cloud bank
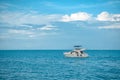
[27, 18]
[19, 19]
[35, 24]
[104, 17]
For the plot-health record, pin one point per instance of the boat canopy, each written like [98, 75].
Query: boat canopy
[77, 46]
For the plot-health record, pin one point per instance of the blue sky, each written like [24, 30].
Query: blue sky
[59, 24]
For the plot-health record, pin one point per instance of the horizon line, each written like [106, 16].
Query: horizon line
[56, 49]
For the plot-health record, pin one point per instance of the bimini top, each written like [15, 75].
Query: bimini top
[77, 46]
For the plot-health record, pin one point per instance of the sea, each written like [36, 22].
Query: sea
[53, 65]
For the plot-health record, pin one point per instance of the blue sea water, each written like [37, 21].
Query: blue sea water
[52, 65]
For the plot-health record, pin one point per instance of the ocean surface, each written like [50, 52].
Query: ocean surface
[52, 65]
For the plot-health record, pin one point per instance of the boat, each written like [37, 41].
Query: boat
[77, 52]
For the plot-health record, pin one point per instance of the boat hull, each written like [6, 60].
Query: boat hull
[68, 54]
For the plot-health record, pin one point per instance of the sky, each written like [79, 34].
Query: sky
[59, 24]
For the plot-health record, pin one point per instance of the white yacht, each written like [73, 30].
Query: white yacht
[77, 52]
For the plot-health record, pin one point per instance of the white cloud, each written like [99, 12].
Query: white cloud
[48, 27]
[113, 26]
[105, 16]
[80, 16]
[20, 31]
[25, 34]
[83, 16]
[29, 20]
[18, 19]
[24, 25]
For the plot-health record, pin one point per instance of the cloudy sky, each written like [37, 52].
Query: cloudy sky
[59, 24]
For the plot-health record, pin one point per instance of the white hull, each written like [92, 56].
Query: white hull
[68, 54]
